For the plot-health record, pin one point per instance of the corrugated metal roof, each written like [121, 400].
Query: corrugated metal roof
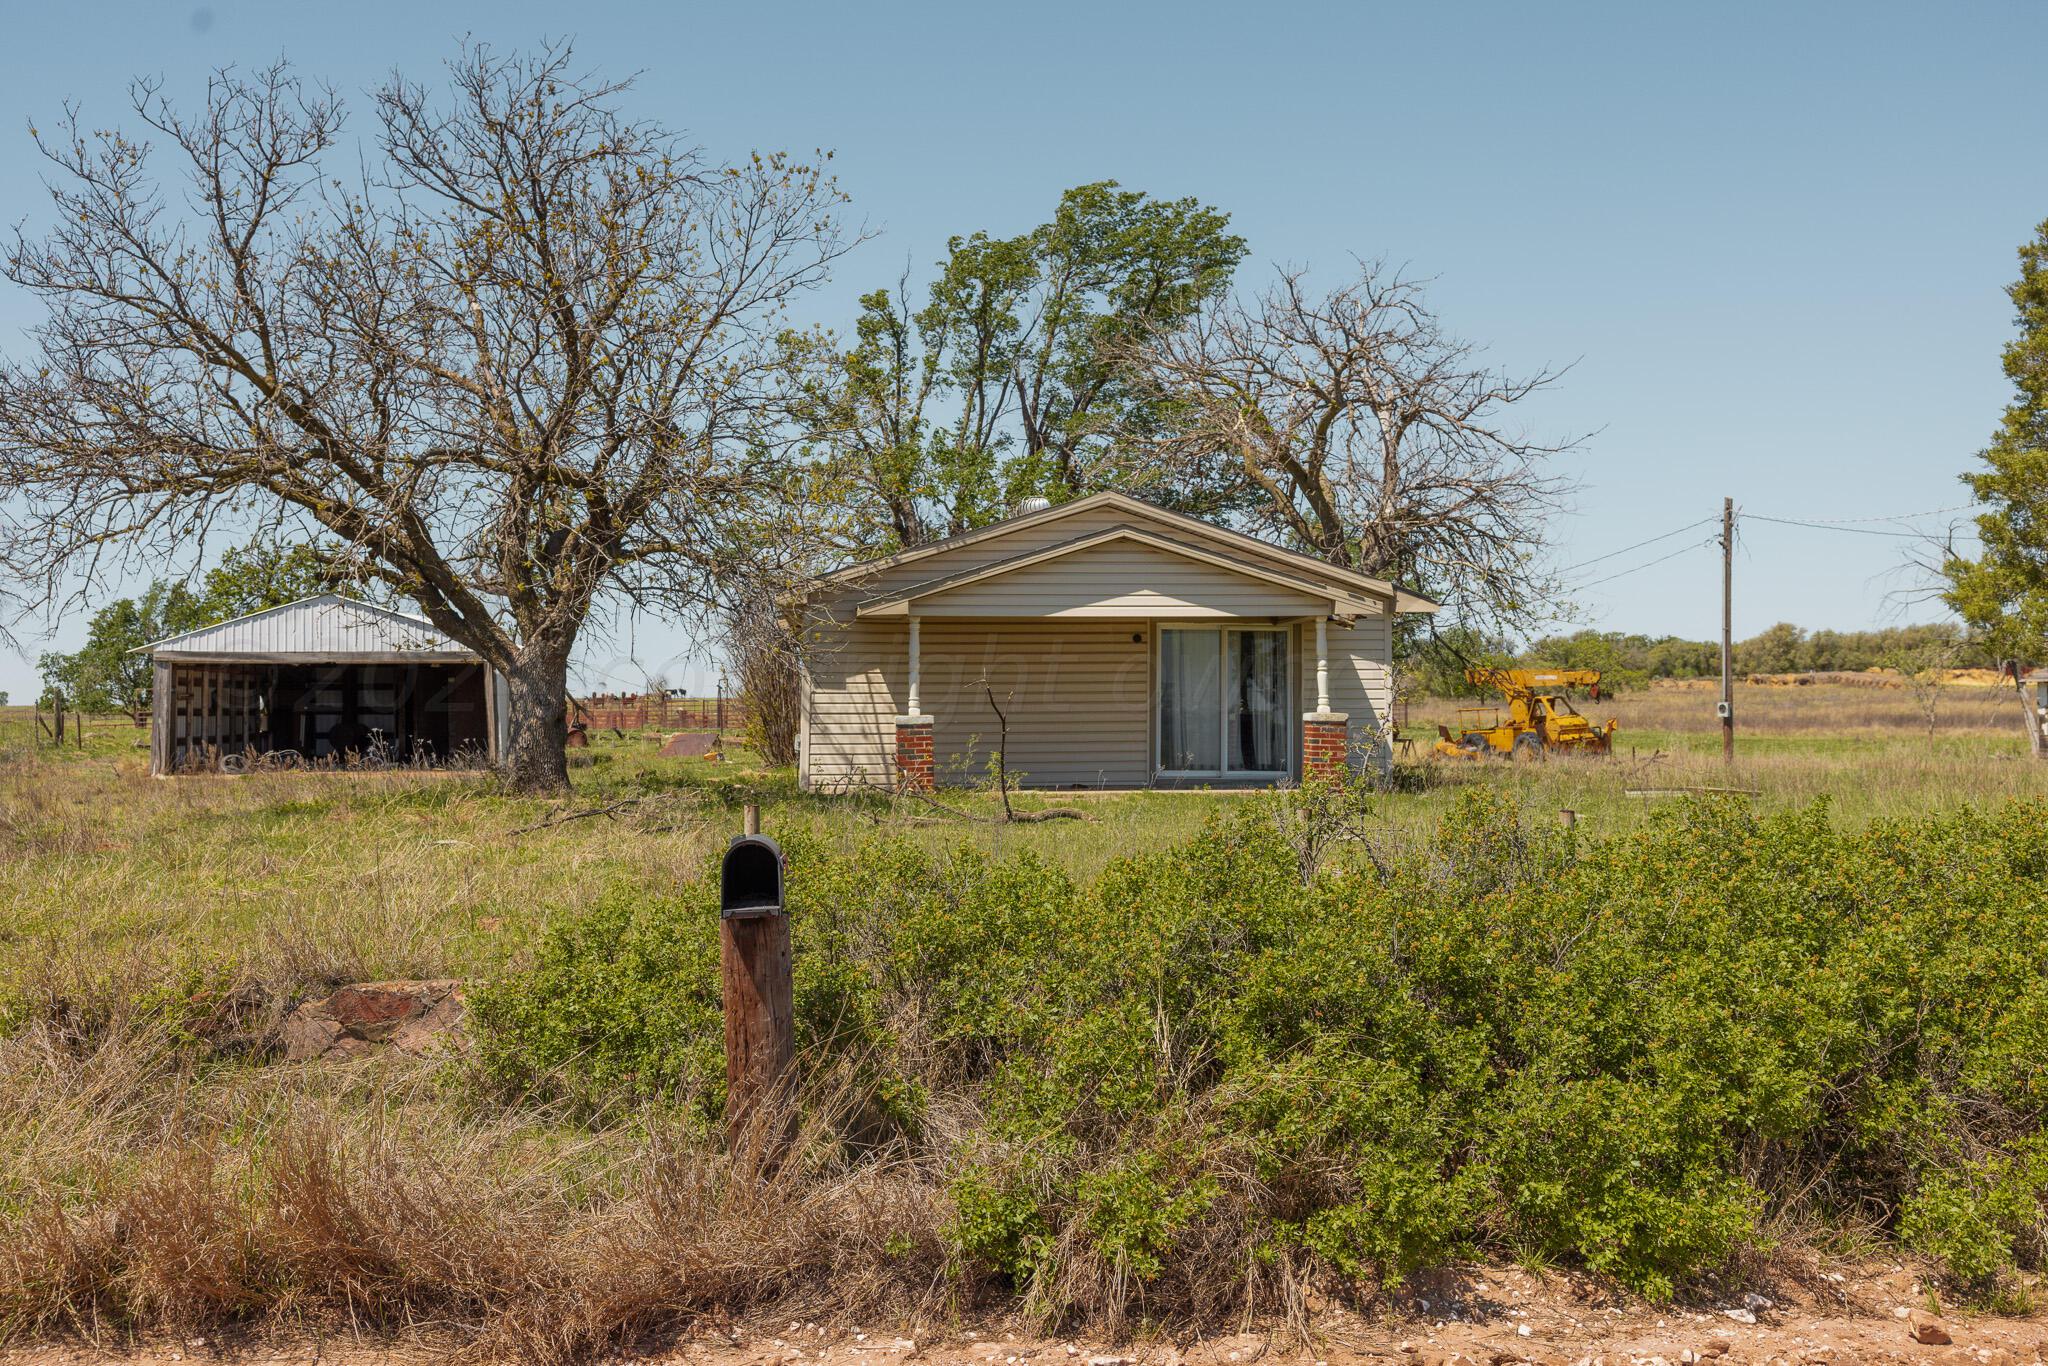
[324, 627]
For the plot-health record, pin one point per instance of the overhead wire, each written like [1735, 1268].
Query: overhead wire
[1850, 521]
[1837, 526]
[1853, 525]
[1647, 564]
[1637, 546]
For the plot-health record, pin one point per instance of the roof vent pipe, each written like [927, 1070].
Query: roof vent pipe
[1031, 505]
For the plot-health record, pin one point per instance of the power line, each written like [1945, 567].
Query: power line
[1647, 564]
[1837, 526]
[1851, 521]
[1637, 546]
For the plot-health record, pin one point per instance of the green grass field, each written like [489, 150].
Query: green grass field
[110, 873]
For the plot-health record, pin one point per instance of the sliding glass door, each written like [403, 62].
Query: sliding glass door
[1223, 702]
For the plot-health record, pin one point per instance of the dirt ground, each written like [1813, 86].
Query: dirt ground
[1485, 1316]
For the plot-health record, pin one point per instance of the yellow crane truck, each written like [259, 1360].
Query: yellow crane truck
[1540, 717]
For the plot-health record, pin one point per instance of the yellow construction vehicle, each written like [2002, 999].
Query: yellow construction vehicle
[1540, 719]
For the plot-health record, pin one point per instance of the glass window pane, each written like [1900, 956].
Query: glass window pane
[1258, 701]
[1190, 693]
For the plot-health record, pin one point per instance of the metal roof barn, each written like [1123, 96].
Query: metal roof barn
[325, 681]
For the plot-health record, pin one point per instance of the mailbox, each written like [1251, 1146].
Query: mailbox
[750, 879]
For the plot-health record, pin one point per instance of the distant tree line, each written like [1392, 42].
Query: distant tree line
[1627, 660]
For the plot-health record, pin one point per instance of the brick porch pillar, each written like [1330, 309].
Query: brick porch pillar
[914, 753]
[1325, 743]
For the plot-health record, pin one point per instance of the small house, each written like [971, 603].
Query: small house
[325, 679]
[1102, 643]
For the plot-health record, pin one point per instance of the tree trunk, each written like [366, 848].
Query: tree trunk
[2036, 742]
[536, 758]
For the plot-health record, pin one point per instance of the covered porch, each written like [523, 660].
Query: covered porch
[1117, 703]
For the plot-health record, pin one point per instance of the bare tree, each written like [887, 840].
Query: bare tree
[767, 665]
[1353, 426]
[1925, 671]
[523, 363]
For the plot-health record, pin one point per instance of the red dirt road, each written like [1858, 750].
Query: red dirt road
[1481, 1317]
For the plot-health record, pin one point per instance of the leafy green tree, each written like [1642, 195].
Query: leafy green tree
[1005, 383]
[1674, 657]
[2003, 593]
[1618, 657]
[269, 573]
[1779, 649]
[104, 674]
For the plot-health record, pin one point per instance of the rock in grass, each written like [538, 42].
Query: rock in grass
[412, 1016]
[1926, 1328]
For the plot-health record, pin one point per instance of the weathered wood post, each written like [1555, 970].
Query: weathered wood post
[755, 979]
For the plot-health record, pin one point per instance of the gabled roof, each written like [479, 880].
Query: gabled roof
[1342, 601]
[1304, 566]
[326, 627]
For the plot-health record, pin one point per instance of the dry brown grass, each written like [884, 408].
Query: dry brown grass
[145, 1192]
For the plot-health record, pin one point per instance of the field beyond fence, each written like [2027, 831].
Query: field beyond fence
[658, 711]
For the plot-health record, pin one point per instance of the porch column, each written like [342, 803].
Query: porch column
[1322, 665]
[914, 729]
[916, 652]
[1325, 734]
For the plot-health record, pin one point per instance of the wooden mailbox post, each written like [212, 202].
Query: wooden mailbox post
[754, 956]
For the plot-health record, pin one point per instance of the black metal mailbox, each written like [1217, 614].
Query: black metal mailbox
[750, 879]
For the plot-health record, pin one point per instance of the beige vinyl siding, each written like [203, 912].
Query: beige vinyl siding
[858, 675]
[1077, 694]
[1122, 579]
[987, 551]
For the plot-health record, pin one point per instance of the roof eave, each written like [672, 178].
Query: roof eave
[900, 604]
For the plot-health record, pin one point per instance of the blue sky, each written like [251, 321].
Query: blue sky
[1771, 238]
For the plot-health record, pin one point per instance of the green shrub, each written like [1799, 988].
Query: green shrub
[1626, 1053]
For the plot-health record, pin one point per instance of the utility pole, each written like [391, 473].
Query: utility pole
[1727, 630]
